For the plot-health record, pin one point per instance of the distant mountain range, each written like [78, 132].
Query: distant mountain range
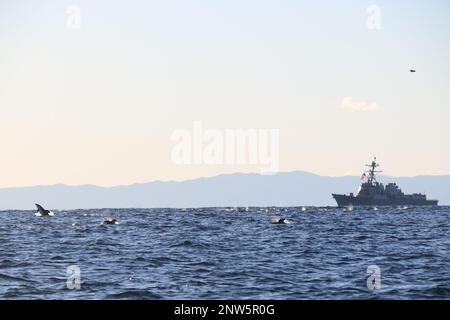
[240, 189]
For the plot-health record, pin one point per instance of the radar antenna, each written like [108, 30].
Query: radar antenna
[372, 179]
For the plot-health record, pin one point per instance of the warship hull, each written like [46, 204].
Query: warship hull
[347, 200]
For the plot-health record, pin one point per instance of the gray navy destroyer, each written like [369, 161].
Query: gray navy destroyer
[373, 193]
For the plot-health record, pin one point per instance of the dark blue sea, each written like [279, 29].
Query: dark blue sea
[226, 253]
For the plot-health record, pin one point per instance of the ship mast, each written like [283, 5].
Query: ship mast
[372, 171]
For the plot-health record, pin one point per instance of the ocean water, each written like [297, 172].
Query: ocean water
[226, 253]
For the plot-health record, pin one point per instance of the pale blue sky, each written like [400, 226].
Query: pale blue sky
[98, 105]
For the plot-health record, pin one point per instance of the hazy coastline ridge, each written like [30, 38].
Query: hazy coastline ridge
[239, 189]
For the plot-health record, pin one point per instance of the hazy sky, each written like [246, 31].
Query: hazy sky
[99, 104]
